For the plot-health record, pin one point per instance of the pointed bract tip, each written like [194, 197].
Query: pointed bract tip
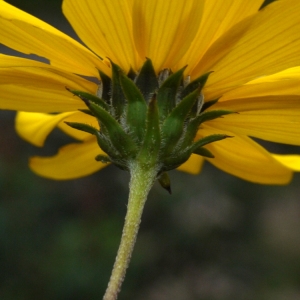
[165, 182]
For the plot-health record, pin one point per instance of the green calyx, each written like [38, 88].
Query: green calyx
[150, 119]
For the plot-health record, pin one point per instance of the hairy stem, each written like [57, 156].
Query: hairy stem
[142, 179]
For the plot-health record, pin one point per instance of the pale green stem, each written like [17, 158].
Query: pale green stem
[142, 179]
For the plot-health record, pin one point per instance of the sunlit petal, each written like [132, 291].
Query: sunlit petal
[72, 161]
[218, 17]
[272, 118]
[105, 27]
[271, 44]
[242, 157]
[27, 34]
[283, 83]
[31, 86]
[290, 161]
[254, 55]
[35, 127]
[164, 30]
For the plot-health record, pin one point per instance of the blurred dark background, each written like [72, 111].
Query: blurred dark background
[216, 238]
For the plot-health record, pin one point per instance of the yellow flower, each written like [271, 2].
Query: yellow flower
[253, 55]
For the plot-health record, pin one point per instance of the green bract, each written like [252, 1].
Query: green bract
[150, 119]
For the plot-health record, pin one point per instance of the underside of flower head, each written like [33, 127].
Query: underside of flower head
[250, 63]
[149, 119]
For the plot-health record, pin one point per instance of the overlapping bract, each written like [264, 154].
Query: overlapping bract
[149, 120]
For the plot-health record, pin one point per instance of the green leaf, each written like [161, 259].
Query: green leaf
[136, 108]
[207, 140]
[211, 115]
[151, 145]
[86, 97]
[195, 84]
[208, 104]
[203, 152]
[102, 142]
[173, 125]
[146, 80]
[87, 112]
[166, 95]
[194, 124]
[117, 95]
[83, 127]
[174, 161]
[120, 140]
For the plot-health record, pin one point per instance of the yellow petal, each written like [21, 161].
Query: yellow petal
[78, 117]
[38, 69]
[287, 74]
[105, 27]
[264, 49]
[290, 161]
[72, 161]
[164, 30]
[27, 34]
[35, 127]
[221, 47]
[27, 85]
[242, 157]
[272, 118]
[193, 165]
[286, 82]
[218, 17]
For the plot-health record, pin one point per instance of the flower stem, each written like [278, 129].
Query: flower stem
[142, 179]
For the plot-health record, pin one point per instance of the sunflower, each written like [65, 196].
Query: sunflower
[234, 69]
[253, 55]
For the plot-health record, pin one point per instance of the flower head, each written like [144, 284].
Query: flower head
[252, 58]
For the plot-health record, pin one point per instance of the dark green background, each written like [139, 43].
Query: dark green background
[216, 238]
